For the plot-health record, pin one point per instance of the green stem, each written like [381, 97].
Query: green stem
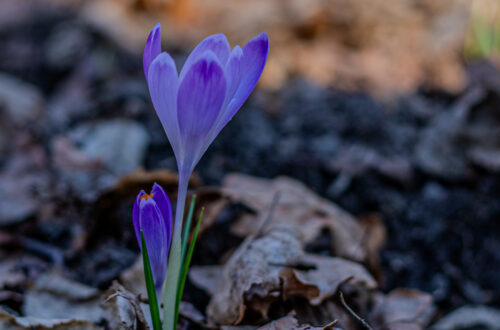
[174, 262]
[150, 285]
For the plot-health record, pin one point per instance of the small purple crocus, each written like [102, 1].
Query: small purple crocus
[153, 214]
[196, 104]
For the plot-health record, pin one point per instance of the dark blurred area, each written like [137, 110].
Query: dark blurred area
[389, 109]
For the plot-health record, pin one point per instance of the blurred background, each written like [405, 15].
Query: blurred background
[388, 108]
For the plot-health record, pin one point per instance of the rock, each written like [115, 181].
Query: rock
[65, 45]
[469, 317]
[119, 144]
[403, 309]
[21, 102]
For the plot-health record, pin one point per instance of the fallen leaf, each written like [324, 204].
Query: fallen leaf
[55, 297]
[131, 184]
[24, 176]
[323, 279]
[11, 322]
[297, 206]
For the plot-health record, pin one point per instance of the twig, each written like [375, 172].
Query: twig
[356, 316]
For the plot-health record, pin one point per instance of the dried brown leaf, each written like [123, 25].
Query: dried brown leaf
[250, 278]
[298, 206]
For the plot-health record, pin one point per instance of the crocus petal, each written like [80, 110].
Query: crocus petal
[216, 43]
[200, 98]
[136, 216]
[163, 83]
[152, 48]
[163, 203]
[233, 72]
[251, 66]
[153, 227]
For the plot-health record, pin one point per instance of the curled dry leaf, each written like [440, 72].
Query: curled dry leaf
[403, 309]
[261, 271]
[250, 278]
[298, 206]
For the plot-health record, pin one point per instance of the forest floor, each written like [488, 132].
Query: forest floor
[310, 192]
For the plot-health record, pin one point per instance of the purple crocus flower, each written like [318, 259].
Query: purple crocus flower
[153, 214]
[196, 104]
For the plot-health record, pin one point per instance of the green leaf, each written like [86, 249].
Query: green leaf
[150, 285]
[187, 228]
[185, 266]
